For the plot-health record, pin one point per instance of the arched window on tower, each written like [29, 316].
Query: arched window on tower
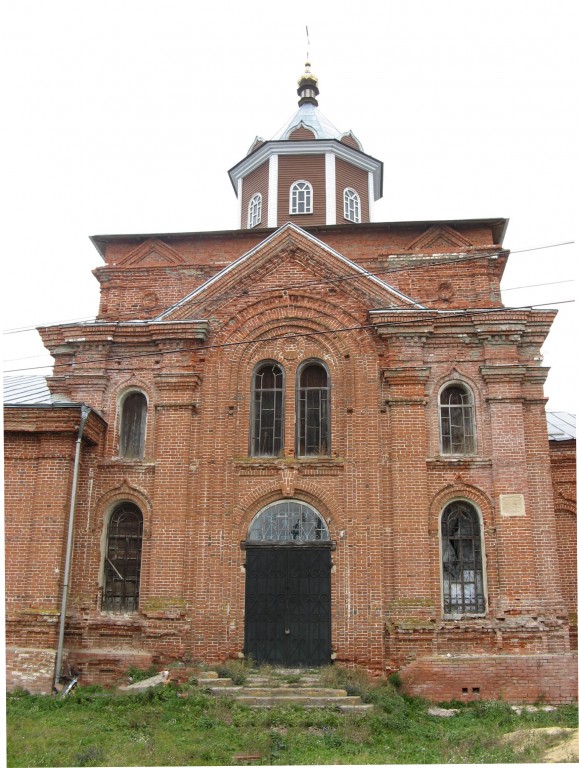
[301, 197]
[133, 425]
[254, 211]
[313, 405]
[123, 559]
[351, 205]
[462, 564]
[267, 410]
[457, 431]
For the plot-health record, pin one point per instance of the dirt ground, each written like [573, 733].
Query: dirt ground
[565, 750]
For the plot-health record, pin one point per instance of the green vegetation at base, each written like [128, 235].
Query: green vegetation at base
[185, 725]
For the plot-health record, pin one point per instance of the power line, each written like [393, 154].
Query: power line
[205, 347]
[313, 283]
[479, 293]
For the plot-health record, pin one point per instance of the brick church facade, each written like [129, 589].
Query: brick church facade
[314, 438]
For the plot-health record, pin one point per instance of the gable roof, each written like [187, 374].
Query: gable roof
[280, 234]
[561, 425]
[26, 390]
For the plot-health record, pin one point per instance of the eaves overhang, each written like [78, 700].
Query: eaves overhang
[498, 226]
[314, 147]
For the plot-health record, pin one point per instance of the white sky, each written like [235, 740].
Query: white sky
[124, 117]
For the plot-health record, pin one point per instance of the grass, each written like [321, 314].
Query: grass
[161, 727]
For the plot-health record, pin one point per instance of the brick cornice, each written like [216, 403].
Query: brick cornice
[507, 372]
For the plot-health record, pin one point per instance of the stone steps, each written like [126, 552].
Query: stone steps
[269, 690]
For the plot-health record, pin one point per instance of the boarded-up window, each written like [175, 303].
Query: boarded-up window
[123, 559]
[457, 420]
[133, 426]
[267, 411]
[462, 573]
[313, 438]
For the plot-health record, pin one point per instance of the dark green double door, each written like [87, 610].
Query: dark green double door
[288, 605]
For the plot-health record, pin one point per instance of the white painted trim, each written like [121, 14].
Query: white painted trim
[272, 191]
[370, 196]
[274, 235]
[330, 188]
[314, 147]
[239, 201]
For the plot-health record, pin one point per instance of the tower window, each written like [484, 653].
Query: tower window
[254, 211]
[351, 205]
[267, 411]
[313, 434]
[462, 570]
[457, 435]
[123, 559]
[301, 197]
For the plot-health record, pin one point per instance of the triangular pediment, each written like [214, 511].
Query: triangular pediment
[290, 260]
[152, 253]
[439, 236]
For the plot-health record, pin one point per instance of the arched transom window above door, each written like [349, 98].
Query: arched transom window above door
[288, 521]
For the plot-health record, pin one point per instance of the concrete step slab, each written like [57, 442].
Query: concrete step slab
[214, 682]
[356, 709]
[311, 701]
[283, 692]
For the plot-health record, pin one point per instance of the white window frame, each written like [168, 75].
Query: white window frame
[254, 211]
[301, 194]
[351, 205]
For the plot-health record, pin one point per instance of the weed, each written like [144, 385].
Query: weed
[136, 675]
[90, 756]
[236, 669]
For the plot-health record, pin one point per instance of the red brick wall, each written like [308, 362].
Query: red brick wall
[549, 678]
[564, 473]
[381, 491]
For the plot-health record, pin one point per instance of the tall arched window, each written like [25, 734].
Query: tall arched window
[301, 197]
[254, 211]
[351, 205]
[313, 406]
[133, 425]
[267, 410]
[457, 432]
[123, 559]
[462, 568]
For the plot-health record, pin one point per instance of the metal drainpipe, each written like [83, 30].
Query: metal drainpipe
[84, 412]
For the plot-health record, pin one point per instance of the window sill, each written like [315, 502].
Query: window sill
[115, 461]
[463, 616]
[289, 461]
[455, 461]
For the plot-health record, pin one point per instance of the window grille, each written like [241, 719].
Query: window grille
[254, 211]
[267, 411]
[133, 426]
[301, 197]
[457, 420]
[462, 560]
[351, 205]
[123, 559]
[313, 438]
[288, 521]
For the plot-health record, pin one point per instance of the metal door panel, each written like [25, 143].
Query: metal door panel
[287, 605]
